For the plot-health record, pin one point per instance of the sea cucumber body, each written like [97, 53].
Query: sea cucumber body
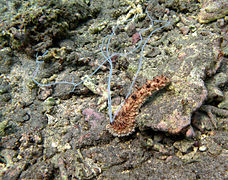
[124, 123]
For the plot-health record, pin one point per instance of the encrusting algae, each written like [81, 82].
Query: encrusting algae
[124, 123]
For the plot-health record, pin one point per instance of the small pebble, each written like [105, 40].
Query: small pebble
[190, 132]
[202, 148]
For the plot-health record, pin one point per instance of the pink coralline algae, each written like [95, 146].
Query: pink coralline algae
[92, 117]
[135, 38]
[90, 112]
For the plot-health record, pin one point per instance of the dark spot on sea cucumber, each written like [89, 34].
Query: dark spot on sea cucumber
[134, 96]
[148, 86]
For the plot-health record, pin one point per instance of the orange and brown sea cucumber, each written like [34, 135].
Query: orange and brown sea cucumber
[124, 123]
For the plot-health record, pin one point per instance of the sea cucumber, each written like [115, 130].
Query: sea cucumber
[124, 123]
